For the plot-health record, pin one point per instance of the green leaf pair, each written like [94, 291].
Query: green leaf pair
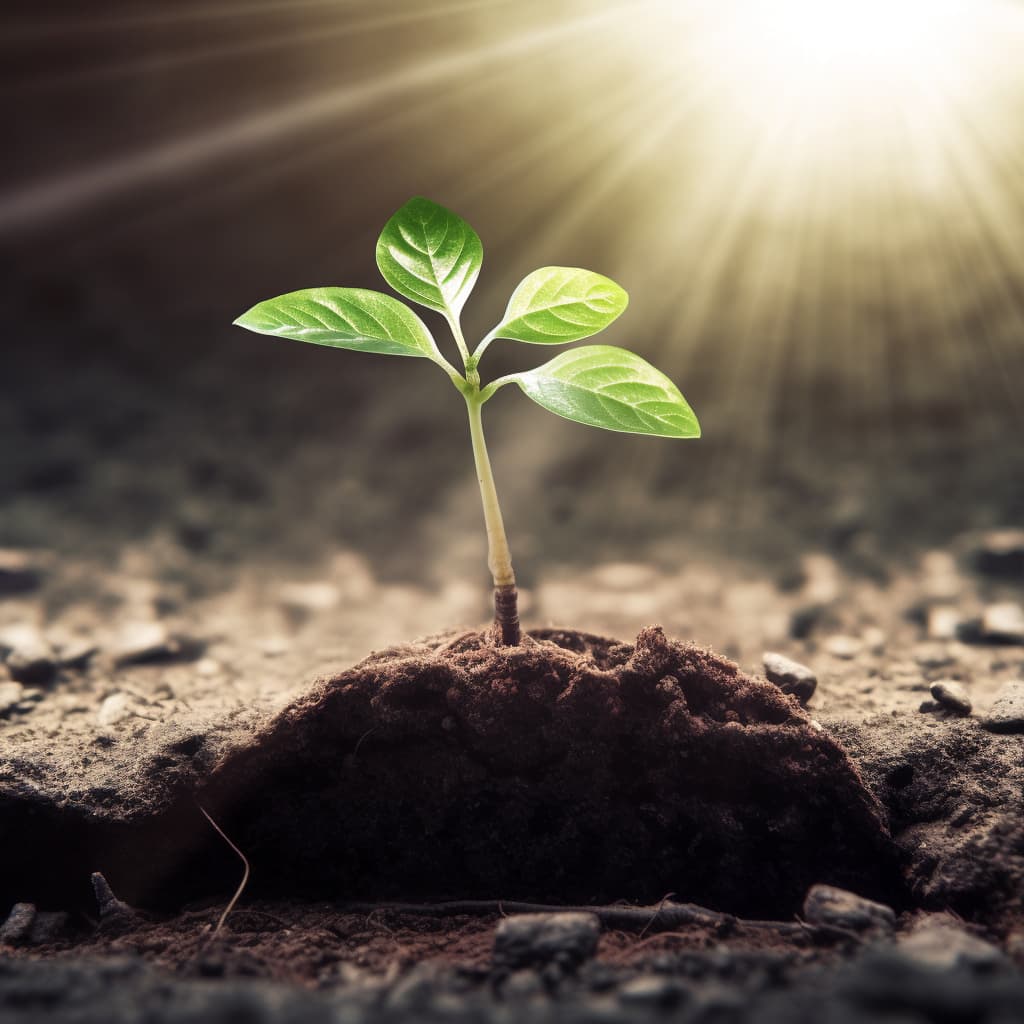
[433, 257]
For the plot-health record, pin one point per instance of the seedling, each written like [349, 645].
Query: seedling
[432, 256]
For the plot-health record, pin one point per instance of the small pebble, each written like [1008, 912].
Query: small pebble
[652, 990]
[1003, 623]
[18, 924]
[76, 653]
[145, 643]
[114, 709]
[790, 676]
[32, 662]
[937, 941]
[1007, 711]
[942, 622]
[845, 647]
[1000, 553]
[528, 939]
[11, 694]
[21, 572]
[952, 696]
[838, 908]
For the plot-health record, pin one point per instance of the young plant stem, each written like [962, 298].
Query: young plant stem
[499, 560]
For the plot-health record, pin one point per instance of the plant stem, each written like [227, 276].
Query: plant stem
[499, 559]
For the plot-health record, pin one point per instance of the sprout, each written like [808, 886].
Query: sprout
[432, 257]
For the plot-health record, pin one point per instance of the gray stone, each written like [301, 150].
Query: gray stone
[114, 913]
[115, 708]
[1000, 553]
[1007, 711]
[938, 941]
[76, 653]
[145, 643]
[1003, 623]
[21, 572]
[18, 924]
[652, 990]
[32, 661]
[790, 676]
[11, 694]
[952, 696]
[838, 908]
[529, 939]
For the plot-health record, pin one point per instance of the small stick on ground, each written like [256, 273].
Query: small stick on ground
[245, 873]
[665, 916]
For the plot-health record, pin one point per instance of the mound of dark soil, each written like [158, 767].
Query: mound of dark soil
[568, 769]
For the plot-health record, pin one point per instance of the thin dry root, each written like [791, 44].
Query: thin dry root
[245, 873]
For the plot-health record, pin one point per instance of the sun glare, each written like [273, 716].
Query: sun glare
[810, 67]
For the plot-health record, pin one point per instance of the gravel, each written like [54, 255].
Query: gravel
[1007, 711]
[837, 908]
[790, 676]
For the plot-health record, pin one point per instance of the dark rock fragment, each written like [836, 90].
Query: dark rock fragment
[115, 914]
[32, 662]
[939, 941]
[1001, 554]
[1007, 712]
[18, 924]
[11, 695]
[526, 940]
[836, 908]
[951, 696]
[790, 676]
[21, 572]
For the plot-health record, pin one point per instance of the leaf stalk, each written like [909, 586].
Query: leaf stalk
[499, 558]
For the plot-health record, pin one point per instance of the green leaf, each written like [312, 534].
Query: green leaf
[555, 305]
[608, 387]
[352, 318]
[430, 255]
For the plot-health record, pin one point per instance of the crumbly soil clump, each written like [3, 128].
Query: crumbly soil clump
[569, 769]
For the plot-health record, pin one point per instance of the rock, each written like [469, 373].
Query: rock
[790, 676]
[939, 942]
[530, 939]
[1003, 623]
[952, 696]
[652, 990]
[150, 642]
[32, 660]
[837, 908]
[18, 924]
[11, 694]
[942, 622]
[114, 913]
[75, 652]
[114, 709]
[1000, 553]
[1007, 711]
[844, 647]
[21, 572]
